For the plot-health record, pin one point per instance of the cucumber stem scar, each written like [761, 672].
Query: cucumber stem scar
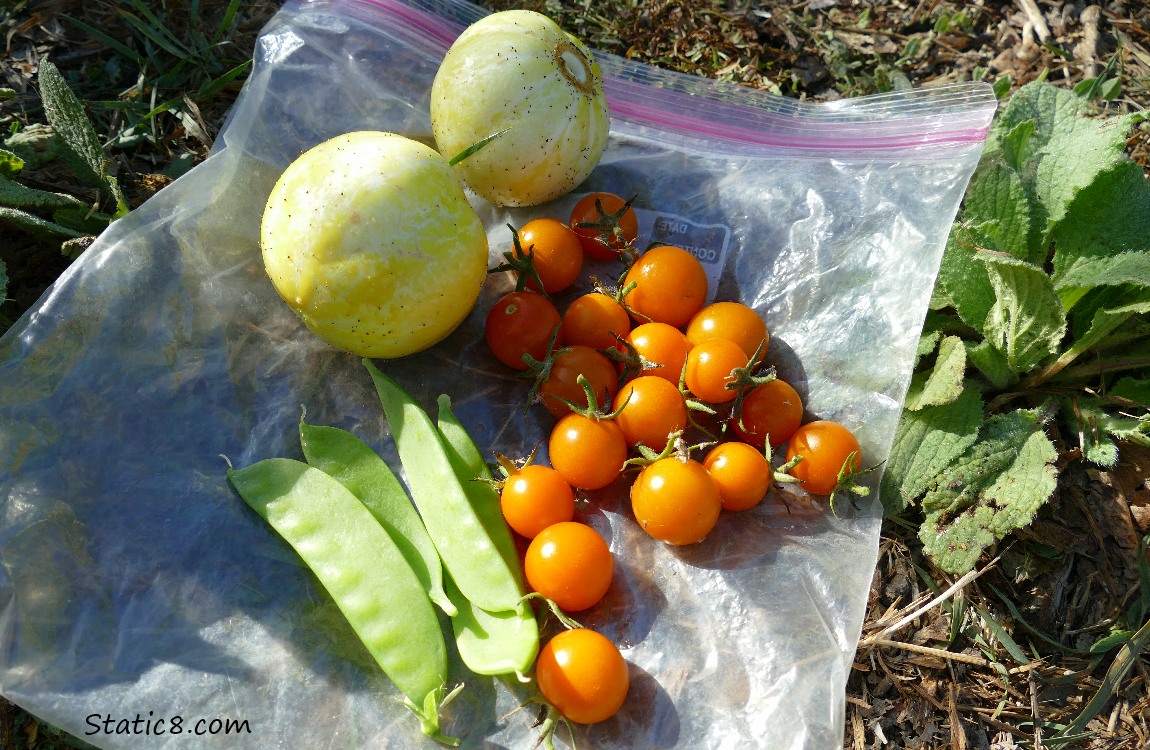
[574, 67]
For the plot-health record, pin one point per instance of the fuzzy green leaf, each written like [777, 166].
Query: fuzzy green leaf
[10, 163]
[40, 228]
[1014, 144]
[1109, 309]
[1078, 152]
[1098, 431]
[1026, 322]
[1133, 389]
[1107, 319]
[82, 147]
[1092, 272]
[1097, 445]
[66, 114]
[82, 220]
[1064, 152]
[996, 486]
[16, 195]
[926, 344]
[925, 444]
[1038, 107]
[35, 145]
[943, 383]
[991, 363]
[1105, 238]
[962, 279]
[997, 200]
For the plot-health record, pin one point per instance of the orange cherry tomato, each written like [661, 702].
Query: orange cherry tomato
[534, 498]
[585, 218]
[562, 382]
[587, 452]
[710, 365]
[521, 323]
[730, 320]
[825, 447]
[662, 345]
[742, 473]
[649, 410]
[676, 501]
[593, 320]
[570, 564]
[773, 408]
[583, 675]
[556, 250]
[670, 286]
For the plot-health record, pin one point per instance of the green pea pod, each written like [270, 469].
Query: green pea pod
[494, 643]
[467, 551]
[363, 571]
[353, 463]
[477, 482]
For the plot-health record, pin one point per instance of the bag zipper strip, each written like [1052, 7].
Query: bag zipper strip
[844, 126]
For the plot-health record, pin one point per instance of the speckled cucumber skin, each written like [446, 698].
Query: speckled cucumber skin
[370, 239]
[517, 70]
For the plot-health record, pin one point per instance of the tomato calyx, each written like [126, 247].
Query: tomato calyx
[548, 720]
[509, 467]
[609, 227]
[631, 363]
[693, 403]
[619, 293]
[743, 381]
[848, 483]
[676, 447]
[783, 473]
[540, 370]
[565, 619]
[521, 263]
[593, 410]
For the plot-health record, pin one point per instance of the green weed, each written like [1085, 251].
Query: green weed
[1039, 331]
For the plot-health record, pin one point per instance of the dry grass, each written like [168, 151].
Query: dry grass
[1028, 649]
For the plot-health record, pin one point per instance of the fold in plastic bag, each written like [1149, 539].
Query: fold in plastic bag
[144, 605]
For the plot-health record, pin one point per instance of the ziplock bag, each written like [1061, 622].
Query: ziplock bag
[144, 605]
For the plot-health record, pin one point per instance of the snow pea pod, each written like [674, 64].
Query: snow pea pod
[353, 463]
[494, 643]
[468, 553]
[470, 467]
[363, 571]
[490, 643]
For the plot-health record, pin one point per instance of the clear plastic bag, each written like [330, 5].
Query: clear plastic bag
[144, 605]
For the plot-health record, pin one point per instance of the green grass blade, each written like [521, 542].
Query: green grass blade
[475, 147]
[1123, 662]
[219, 82]
[226, 22]
[1017, 616]
[160, 28]
[119, 47]
[157, 37]
[1002, 636]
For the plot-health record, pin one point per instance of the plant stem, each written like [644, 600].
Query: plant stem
[1098, 367]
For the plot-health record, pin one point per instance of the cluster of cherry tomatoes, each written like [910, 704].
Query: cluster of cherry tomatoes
[632, 374]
